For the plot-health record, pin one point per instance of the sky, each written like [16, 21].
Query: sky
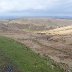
[35, 7]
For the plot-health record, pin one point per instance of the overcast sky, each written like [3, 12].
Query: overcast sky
[36, 7]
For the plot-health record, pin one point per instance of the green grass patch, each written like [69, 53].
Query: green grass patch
[25, 59]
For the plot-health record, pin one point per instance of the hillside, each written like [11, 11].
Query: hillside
[50, 38]
[58, 31]
[15, 57]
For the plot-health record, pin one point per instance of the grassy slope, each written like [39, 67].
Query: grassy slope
[24, 58]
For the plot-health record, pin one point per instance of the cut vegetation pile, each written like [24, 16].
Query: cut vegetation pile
[15, 57]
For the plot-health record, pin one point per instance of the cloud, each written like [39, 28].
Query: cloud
[9, 5]
[36, 7]
[6, 5]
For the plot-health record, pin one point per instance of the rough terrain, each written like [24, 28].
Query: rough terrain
[47, 37]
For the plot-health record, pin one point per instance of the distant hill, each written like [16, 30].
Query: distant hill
[16, 17]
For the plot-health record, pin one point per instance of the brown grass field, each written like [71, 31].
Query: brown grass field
[47, 37]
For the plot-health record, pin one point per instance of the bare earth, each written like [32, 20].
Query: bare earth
[48, 37]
